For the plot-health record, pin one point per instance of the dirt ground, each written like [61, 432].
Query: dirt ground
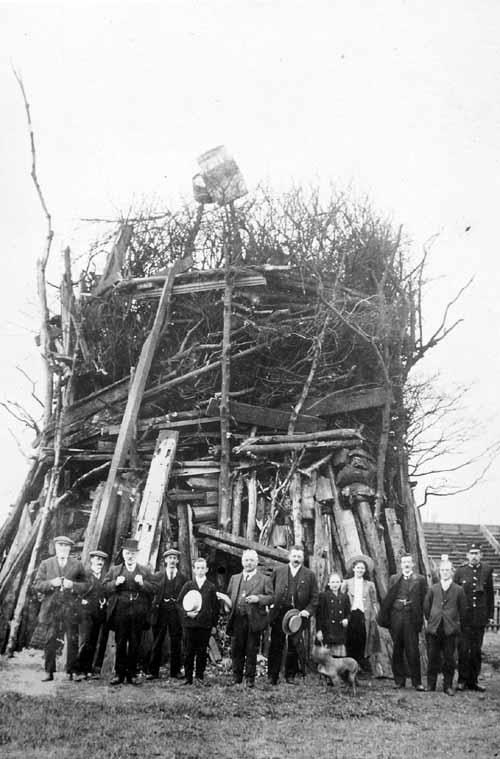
[163, 718]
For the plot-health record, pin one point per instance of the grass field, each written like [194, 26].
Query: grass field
[164, 719]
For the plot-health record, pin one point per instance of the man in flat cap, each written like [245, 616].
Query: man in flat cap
[59, 580]
[250, 592]
[402, 611]
[93, 628]
[166, 615]
[294, 587]
[476, 578]
[130, 588]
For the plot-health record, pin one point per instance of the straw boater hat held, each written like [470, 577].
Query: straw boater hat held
[192, 601]
[360, 557]
[292, 622]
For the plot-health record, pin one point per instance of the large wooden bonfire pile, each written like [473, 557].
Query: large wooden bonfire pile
[235, 378]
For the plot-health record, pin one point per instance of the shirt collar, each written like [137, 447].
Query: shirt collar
[294, 570]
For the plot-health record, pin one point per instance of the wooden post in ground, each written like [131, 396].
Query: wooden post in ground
[237, 496]
[225, 440]
[251, 483]
[107, 512]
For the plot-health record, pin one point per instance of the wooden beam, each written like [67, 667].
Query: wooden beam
[152, 497]
[144, 290]
[346, 401]
[267, 417]
[106, 516]
[114, 261]
[242, 543]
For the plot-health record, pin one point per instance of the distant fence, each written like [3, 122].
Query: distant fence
[495, 627]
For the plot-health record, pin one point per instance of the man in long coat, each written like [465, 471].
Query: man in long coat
[93, 606]
[402, 612]
[250, 592]
[166, 616]
[476, 579]
[294, 587]
[59, 580]
[130, 587]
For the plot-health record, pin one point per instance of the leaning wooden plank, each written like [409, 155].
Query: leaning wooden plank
[106, 514]
[114, 263]
[258, 450]
[345, 401]
[22, 534]
[267, 417]
[264, 561]
[226, 537]
[152, 498]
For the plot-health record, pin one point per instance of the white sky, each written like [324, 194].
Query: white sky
[397, 99]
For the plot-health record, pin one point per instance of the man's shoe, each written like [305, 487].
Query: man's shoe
[187, 682]
[116, 681]
[150, 676]
[290, 681]
[461, 686]
[399, 686]
[477, 687]
[449, 691]
[132, 681]
[250, 683]
[431, 689]
[48, 678]
[177, 676]
[420, 688]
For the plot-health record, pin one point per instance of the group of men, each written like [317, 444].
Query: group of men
[456, 609]
[84, 604]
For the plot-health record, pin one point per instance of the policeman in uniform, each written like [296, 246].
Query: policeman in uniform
[166, 616]
[93, 628]
[476, 579]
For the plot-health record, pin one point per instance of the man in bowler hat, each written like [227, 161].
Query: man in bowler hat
[93, 628]
[59, 580]
[476, 578]
[166, 616]
[130, 589]
[402, 612]
[294, 587]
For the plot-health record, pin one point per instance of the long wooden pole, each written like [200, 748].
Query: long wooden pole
[106, 517]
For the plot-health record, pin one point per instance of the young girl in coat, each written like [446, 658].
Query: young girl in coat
[332, 616]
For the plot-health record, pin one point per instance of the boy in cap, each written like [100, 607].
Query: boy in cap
[130, 589]
[93, 629]
[166, 616]
[59, 580]
[476, 579]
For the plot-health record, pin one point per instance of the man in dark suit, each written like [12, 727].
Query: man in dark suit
[476, 579]
[294, 587]
[250, 592]
[59, 580]
[198, 623]
[166, 616]
[444, 608]
[93, 628]
[402, 613]
[130, 588]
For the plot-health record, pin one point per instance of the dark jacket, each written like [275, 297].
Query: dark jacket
[56, 598]
[167, 592]
[479, 593]
[259, 585]
[306, 597]
[451, 613]
[332, 609]
[418, 589]
[139, 596]
[209, 613]
[93, 601]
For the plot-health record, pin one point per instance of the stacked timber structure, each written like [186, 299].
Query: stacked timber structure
[235, 378]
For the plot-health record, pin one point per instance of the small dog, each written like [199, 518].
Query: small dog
[335, 669]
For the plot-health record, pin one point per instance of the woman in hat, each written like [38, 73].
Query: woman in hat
[362, 635]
